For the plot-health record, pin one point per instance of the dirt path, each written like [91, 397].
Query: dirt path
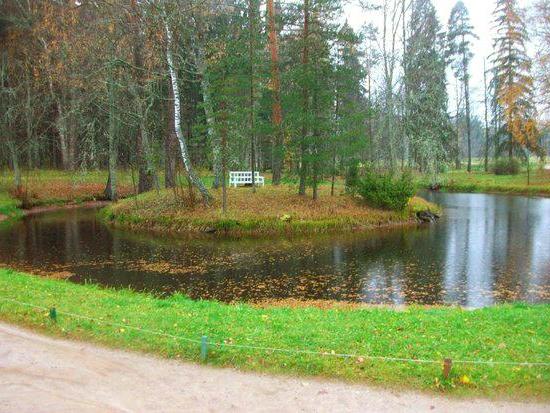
[41, 374]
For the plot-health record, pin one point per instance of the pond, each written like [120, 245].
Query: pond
[486, 249]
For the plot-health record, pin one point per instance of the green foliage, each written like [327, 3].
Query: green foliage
[427, 124]
[385, 191]
[482, 334]
[226, 224]
[352, 177]
[507, 166]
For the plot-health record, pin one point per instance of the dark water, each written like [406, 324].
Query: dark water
[486, 249]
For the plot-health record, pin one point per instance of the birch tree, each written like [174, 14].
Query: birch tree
[193, 177]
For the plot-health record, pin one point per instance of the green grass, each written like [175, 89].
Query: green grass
[478, 181]
[8, 207]
[517, 332]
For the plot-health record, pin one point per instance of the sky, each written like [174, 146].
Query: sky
[481, 17]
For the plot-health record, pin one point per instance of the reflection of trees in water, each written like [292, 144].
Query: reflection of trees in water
[486, 242]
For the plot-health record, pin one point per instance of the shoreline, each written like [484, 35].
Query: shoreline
[121, 319]
[201, 234]
[70, 205]
[275, 212]
[495, 191]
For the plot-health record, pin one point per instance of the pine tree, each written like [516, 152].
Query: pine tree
[426, 101]
[350, 105]
[275, 86]
[459, 43]
[513, 80]
[542, 62]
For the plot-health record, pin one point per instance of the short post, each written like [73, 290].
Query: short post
[204, 348]
[53, 314]
[447, 366]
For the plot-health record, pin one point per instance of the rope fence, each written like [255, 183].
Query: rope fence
[205, 343]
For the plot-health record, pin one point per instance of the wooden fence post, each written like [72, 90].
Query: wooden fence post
[204, 348]
[447, 366]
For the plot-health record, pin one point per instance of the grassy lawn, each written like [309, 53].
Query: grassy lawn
[478, 181]
[270, 210]
[504, 333]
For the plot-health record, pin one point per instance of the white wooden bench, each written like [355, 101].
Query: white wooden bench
[244, 177]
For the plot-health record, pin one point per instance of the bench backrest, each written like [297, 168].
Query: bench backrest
[243, 174]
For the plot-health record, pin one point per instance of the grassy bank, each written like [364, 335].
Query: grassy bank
[270, 210]
[503, 333]
[54, 187]
[477, 181]
[8, 207]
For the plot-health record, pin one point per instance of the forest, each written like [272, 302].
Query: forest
[196, 88]
[387, 246]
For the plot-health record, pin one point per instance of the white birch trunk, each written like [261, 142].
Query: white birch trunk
[195, 180]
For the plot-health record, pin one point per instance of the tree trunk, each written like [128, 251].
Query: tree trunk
[315, 163]
[276, 110]
[111, 187]
[146, 170]
[71, 132]
[202, 69]
[60, 120]
[61, 130]
[305, 103]
[468, 128]
[457, 124]
[251, 102]
[223, 133]
[333, 179]
[14, 155]
[170, 145]
[486, 163]
[177, 119]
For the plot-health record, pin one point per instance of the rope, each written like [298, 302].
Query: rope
[83, 317]
[282, 350]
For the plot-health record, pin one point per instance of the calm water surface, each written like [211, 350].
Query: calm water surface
[486, 249]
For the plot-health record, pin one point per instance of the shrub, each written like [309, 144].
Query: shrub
[352, 178]
[385, 191]
[506, 166]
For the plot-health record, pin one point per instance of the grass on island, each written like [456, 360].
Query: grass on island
[516, 332]
[272, 209]
[479, 181]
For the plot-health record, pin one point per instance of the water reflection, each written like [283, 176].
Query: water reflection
[486, 249]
